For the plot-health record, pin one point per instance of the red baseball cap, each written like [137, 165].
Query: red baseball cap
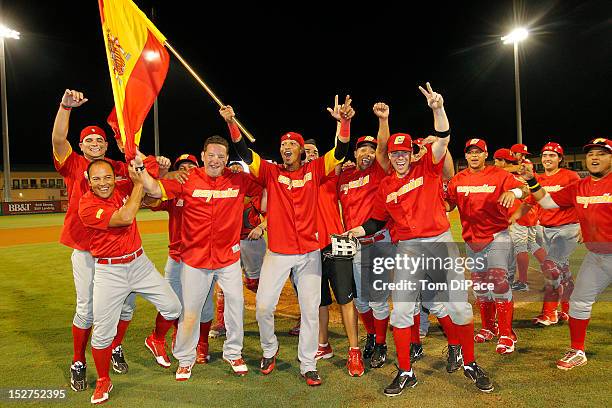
[92, 130]
[186, 157]
[553, 147]
[479, 143]
[366, 139]
[418, 141]
[519, 148]
[504, 154]
[398, 142]
[599, 142]
[293, 136]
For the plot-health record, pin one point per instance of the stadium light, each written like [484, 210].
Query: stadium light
[515, 37]
[5, 32]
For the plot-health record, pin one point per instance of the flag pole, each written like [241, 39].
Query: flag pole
[207, 89]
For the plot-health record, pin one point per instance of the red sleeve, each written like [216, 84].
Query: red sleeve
[94, 214]
[150, 163]
[252, 188]
[428, 162]
[511, 182]
[170, 189]
[566, 197]
[379, 209]
[66, 167]
[451, 191]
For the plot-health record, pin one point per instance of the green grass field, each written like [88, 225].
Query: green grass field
[37, 305]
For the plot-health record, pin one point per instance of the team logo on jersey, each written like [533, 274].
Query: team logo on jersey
[360, 182]
[399, 140]
[179, 202]
[602, 199]
[290, 183]
[411, 185]
[552, 189]
[210, 194]
[467, 190]
[99, 213]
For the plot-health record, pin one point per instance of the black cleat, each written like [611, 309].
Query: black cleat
[120, 366]
[312, 378]
[454, 358]
[78, 376]
[479, 376]
[267, 365]
[379, 356]
[402, 380]
[368, 349]
[416, 352]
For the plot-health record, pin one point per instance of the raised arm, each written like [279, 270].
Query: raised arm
[124, 216]
[343, 114]
[381, 110]
[227, 113]
[59, 135]
[150, 185]
[441, 125]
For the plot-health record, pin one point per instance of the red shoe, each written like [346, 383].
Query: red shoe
[238, 365]
[505, 345]
[324, 352]
[103, 389]
[202, 356]
[354, 364]
[484, 335]
[546, 319]
[312, 378]
[562, 316]
[158, 349]
[267, 365]
[573, 358]
[183, 373]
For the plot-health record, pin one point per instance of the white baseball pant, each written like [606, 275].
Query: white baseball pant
[594, 277]
[173, 276]
[252, 254]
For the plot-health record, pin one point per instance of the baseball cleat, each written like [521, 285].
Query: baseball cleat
[416, 352]
[120, 366]
[295, 330]
[183, 373]
[78, 376]
[402, 380]
[354, 364]
[475, 373]
[103, 389]
[217, 331]
[158, 349]
[238, 366]
[519, 286]
[546, 320]
[484, 335]
[505, 345]
[572, 358]
[562, 316]
[324, 352]
[379, 357]
[422, 334]
[368, 349]
[267, 365]
[312, 378]
[202, 356]
[454, 358]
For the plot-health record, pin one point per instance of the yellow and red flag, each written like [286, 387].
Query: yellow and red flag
[137, 63]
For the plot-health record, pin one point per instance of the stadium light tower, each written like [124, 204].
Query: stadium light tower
[5, 32]
[515, 37]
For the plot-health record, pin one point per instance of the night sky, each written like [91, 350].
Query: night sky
[280, 66]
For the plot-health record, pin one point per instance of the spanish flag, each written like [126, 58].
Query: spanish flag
[137, 63]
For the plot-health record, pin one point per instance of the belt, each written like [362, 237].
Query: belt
[121, 259]
[372, 239]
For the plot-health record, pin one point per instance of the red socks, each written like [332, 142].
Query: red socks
[414, 329]
[204, 329]
[161, 327]
[578, 329]
[450, 329]
[402, 346]
[522, 264]
[79, 342]
[380, 327]
[540, 255]
[367, 319]
[121, 329]
[102, 359]
[465, 332]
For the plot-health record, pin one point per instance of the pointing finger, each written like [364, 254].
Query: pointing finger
[428, 85]
[424, 92]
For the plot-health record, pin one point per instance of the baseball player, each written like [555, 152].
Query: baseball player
[172, 273]
[337, 273]
[212, 218]
[122, 268]
[592, 199]
[420, 226]
[72, 166]
[293, 190]
[356, 186]
[483, 195]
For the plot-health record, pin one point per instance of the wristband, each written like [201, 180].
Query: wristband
[444, 133]
[518, 193]
[532, 182]
[345, 129]
[234, 131]
[64, 107]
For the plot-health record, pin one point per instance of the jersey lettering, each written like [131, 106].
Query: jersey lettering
[294, 183]
[411, 185]
[209, 194]
[551, 189]
[485, 188]
[602, 199]
[360, 182]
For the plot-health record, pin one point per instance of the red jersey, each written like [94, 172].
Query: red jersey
[413, 202]
[554, 183]
[73, 169]
[292, 197]
[250, 215]
[174, 208]
[593, 203]
[476, 195]
[212, 215]
[357, 189]
[328, 212]
[95, 213]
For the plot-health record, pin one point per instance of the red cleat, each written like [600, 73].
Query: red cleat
[103, 389]
[354, 363]
[158, 349]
